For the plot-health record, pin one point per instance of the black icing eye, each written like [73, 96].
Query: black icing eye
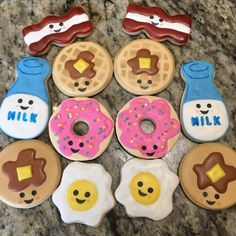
[75, 192]
[144, 147]
[51, 26]
[209, 105]
[76, 84]
[81, 144]
[70, 142]
[139, 81]
[87, 194]
[22, 195]
[205, 194]
[20, 100]
[161, 20]
[198, 106]
[31, 102]
[140, 183]
[34, 192]
[150, 190]
[86, 83]
[61, 24]
[155, 147]
[217, 196]
[151, 17]
[149, 81]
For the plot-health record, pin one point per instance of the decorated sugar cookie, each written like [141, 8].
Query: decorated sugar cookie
[24, 112]
[208, 176]
[81, 129]
[82, 69]
[147, 144]
[146, 188]
[59, 30]
[157, 24]
[203, 112]
[84, 195]
[29, 173]
[144, 67]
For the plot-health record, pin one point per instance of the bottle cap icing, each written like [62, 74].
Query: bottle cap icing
[82, 69]
[146, 188]
[25, 109]
[157, 24]
[210, 179]
[66, 124]
[59, 30]
[144, 67]
[143, 144]
[203, 113]
[29, 173]
[84, 194]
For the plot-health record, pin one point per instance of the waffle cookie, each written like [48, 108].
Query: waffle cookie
[82, 69]
[144, 67]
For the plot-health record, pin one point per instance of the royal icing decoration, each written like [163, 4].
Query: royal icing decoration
[157, 24]
[60, 30]
[84, 195]
[75, 146]
[25, 109]
[146, 188]
[144, 62]
[203, 113]
[136, 141]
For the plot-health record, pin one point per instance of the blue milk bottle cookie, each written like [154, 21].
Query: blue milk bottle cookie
[203, 112]
[24, 112]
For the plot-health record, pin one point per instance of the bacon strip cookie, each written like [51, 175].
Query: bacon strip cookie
[59, 30]
[157, 24]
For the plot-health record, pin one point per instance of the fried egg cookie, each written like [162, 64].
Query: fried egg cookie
[208, 176]
[160, 134]
[144, 67]
[29, 173]
[82, 69]
[81, 129]
[146, 188]
[84, 195]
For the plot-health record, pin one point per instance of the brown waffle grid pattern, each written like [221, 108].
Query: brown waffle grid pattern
[103, 68]
[128, 80]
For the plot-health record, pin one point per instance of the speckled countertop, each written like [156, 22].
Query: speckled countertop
[213, 39]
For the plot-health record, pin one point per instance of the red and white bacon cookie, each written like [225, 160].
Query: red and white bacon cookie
[157, 24]
[59, 30]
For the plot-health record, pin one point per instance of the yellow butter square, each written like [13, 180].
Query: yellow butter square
[81, 65]
[24, 172]
[144, 63]
[215, 173]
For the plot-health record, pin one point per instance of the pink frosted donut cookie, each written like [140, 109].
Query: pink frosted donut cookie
[162, 119]
[81, 129]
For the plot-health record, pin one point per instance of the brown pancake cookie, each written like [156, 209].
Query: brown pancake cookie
[82, 69]
[208, 176]
[144, 67]
[29, 173]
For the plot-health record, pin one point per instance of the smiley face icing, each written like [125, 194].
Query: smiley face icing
[29, 172]
[208, 176]
[144, 67]
[146, 188]
[84, 195]
[24, 112]
[82, 69]
[203, 112]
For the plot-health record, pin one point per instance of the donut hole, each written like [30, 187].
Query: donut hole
[80, 128]
[147, 126]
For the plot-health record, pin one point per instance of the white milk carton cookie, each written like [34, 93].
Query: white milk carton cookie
[203, 112]
[24, 112]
